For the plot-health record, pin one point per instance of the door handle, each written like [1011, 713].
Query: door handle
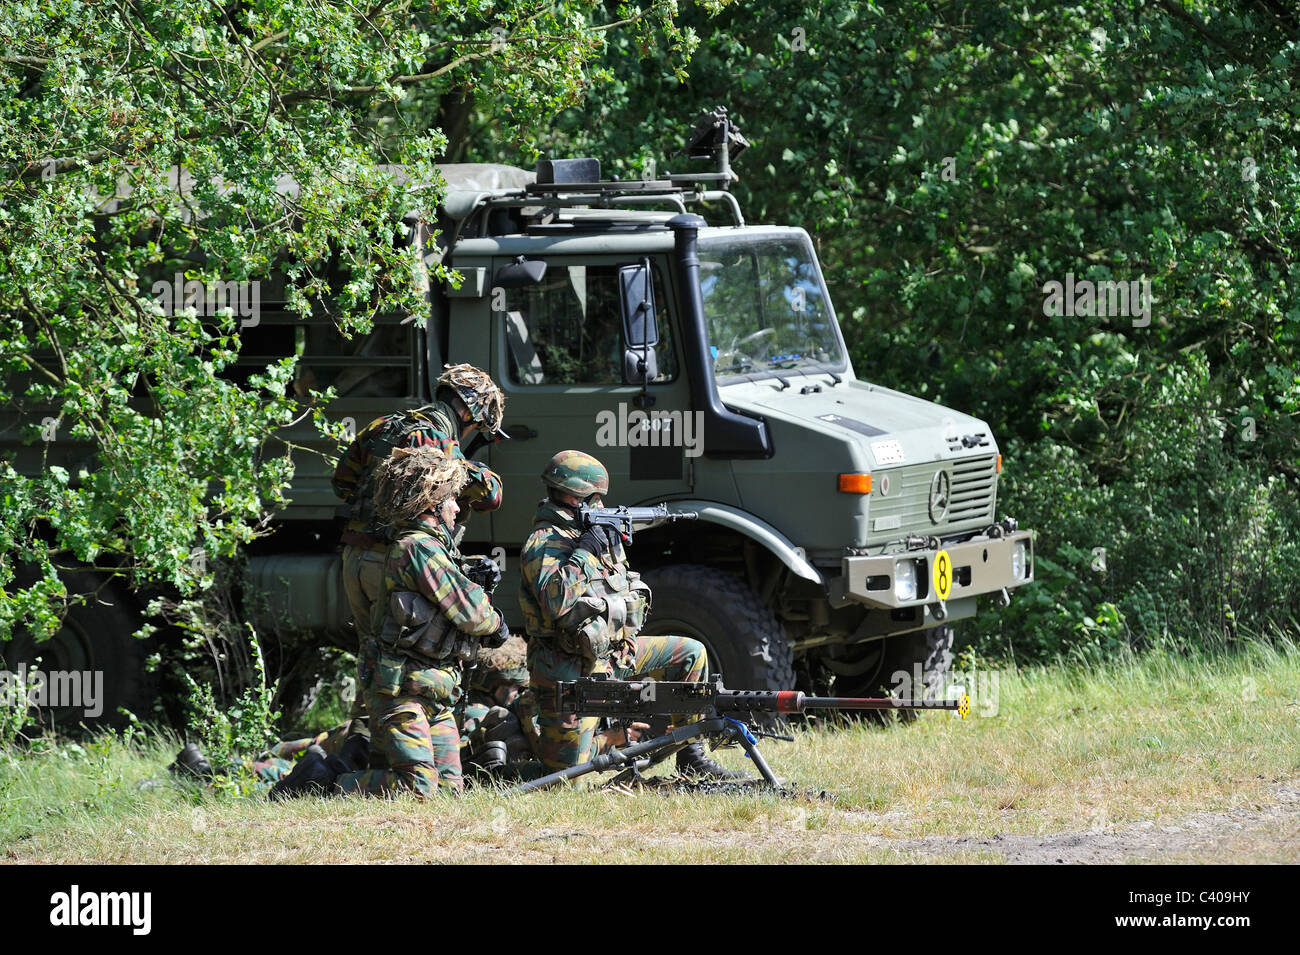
[520, 432]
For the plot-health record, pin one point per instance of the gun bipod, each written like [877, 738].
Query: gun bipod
[629, 758]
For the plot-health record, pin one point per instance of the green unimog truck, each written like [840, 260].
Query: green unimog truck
[843, 527]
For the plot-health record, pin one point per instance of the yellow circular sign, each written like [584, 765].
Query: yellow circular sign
[942, 574]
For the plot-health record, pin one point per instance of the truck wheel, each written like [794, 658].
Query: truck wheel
[932, 649]
[96, 637]
[746, 642]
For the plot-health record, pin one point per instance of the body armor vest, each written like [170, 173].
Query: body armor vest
[415, 627]
[609, 614]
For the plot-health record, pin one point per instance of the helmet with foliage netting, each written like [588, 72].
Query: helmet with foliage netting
[479, 392]
[411, 481]
[507, 663]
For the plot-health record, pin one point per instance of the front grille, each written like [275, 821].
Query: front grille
[906, 508]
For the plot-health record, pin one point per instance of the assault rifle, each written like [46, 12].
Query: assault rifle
[625, 520]
[726, 715]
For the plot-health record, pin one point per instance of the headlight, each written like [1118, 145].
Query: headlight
[905, 580]
[1019, 559]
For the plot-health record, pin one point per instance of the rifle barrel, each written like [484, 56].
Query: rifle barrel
[793, 701]
[865, 703]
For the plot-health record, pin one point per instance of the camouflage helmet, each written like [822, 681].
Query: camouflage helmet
[411, 481]
[577, 473]
[508, 663]
[479, 392]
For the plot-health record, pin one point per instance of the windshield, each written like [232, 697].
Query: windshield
[765, 306]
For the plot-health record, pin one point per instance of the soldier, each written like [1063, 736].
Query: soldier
[497, 680]
[583, 608]
[466, 399]
[491, 728]
[498, 725]
[432, 620]
[276, 762]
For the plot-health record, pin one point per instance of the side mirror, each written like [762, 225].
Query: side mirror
[640, 365]
[520, 273]
[637, 303]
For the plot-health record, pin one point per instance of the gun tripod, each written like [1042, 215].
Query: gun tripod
[635, 758]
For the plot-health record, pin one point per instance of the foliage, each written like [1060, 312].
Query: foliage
[227, 732]
[15, 711]
[950, 160]
[145, 140]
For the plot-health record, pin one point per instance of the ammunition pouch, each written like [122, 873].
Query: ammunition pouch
[611, 612]
[415, 627]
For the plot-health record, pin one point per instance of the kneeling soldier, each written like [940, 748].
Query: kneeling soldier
[582, 608]
[431, 622]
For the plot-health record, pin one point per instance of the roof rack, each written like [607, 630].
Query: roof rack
[576, 183]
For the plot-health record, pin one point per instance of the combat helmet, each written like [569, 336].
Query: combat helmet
[577, 473]
[481, 395]
[411, 481]
[507, 663]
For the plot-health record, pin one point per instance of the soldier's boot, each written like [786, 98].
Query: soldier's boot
[191, 764]
[311, 776]
[695, 763]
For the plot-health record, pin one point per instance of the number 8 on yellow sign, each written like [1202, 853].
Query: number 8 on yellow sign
[942, 574]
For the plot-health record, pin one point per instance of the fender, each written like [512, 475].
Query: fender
[745, 523]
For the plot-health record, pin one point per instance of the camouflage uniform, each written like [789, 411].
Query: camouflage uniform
[563, 594]
[410, 690]
[364, 544]
[485, 717]
[277, 762]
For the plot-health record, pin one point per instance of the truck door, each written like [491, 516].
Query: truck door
[558, 349]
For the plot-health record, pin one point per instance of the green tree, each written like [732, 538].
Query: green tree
[950, 160]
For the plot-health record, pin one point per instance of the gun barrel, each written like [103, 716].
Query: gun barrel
[867, 703]
[591, 696]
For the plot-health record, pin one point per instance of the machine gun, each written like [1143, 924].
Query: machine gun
[726, 714]
[625, 520]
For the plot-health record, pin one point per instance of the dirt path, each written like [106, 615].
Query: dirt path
[1267, 833]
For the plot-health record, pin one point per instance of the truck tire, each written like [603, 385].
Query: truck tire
[931, 648]
[96, 637]
[745, 641]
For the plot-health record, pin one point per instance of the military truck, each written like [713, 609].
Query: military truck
[843, 527]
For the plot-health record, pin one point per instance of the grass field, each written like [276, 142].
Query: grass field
[1159, 758]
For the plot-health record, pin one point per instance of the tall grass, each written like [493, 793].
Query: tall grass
[1084, 746]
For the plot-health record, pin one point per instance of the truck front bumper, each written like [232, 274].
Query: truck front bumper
[918, 578]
